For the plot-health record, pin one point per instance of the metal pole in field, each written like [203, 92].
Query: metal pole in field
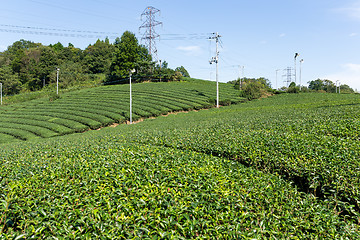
[296, 55]
[1, 92]
[131, 72]
[130, 101]
[337, 84]
[301, 61]
[160, 70]
[57, 81]
[242, 75]
[276, 77]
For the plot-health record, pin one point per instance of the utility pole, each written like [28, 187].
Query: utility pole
[130, 74]
[150, 34]
[57, 81]
[241, 71]
[1, 92]
[160, 70]
[296, 55]
[276, 80]
[215, 59]
[337, 84]
[301, 61]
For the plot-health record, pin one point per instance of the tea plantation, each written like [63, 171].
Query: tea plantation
[284, 167]
[102, 106]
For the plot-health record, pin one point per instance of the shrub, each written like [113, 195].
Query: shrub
[53, 97]
[252, 90]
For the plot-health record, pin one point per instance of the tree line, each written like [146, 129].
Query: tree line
[29, 66]
[325, 85]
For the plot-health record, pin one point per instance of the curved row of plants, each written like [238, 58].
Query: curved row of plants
[311, 140]
[100, 185]
[98, 107]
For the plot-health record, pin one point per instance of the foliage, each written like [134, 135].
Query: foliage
[97, 57]
[102, 106]
[27, 66]
[11, 83]
[183, 71]
[293, 88]
[53, 96]
[224, 173]
[253, 88]
[316, 149]
[129, 55]
[328, 86]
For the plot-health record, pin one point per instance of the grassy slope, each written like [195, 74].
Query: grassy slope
[219, 172]
[92, 108]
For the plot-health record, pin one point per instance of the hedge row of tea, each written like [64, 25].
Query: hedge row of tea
[248, 171]
[311, 140]
[98, 107]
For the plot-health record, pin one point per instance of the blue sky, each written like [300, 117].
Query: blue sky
[260, 35]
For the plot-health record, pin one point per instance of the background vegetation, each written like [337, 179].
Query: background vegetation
[27, 66]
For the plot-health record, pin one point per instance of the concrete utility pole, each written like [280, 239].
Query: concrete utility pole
[1, 92]
[57, 81]
[215, 59]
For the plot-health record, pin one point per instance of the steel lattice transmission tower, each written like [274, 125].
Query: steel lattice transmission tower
[150, 34]
[289, 76]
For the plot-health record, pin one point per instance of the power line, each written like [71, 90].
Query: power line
[60, 32]
[57, 6]
[55, 29]
[57, 34]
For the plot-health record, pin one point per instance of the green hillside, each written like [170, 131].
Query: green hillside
[285, 167]
[93, 108]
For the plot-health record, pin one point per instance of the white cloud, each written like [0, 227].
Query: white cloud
[3, 47]
[282, 35]
[190, 50]
[351, 11]
[350, 75]
[353, 34]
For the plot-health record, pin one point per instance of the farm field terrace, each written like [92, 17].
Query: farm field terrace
[94, 108]
[285, 167]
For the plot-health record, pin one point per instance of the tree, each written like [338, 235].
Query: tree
[328, 86]
[10, 81]
[293, 88]
[128, 55]
[346, 89]
[316, 85]
[98, 57]
[183, 71]
[252, 90]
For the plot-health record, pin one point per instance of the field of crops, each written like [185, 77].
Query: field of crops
[285, 167]
[98, 107]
